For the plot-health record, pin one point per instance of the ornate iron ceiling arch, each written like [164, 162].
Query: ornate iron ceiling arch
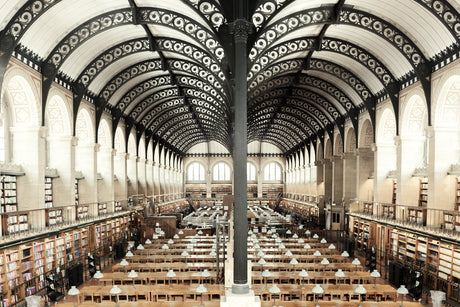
[445, 13]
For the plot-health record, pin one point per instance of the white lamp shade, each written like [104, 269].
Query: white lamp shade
[360, 290]
[171, 274]
[250, 232]
[162, 233]
[170, 241]
[303, 274]
[205, 273]
[189, 246]
[140, 246]
[288, 232]
[300, 241]
[123, 262]
[260, 254]
[73, 291]
[402, 290]
[129, 254]
[307, 232]
[165, 246]
[148, 241]
[257, 246]
[324, 241]
[315, 236]
[356, 262]
[317, 254]
[288, 254]
[375, 274]
[185, 254]
[262, 261]
[98, 275]
[200, 232]
[324, 261]
[282, 246]
[317, 289]
[339, 273]
[293, 261]
[212, 254]
[181, 232]
[201, 289]
[274, 290]
[295, 236]
[332, 246]
[115, 290]
[345, 254]
[307, 246]
[155, 237]
[132, 274]
[176, 236]
[266, 273]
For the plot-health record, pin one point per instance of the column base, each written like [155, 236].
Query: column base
[247, 299]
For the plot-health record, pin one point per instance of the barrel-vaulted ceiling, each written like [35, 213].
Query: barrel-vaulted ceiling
[166, 68]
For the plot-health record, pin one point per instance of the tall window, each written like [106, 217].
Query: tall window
[272, 172]
[195, 172]
[251, 171]
[221, 172]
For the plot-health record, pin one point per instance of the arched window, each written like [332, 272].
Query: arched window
[221, 172]
[272, 172]
[251, 171]
[195, 172]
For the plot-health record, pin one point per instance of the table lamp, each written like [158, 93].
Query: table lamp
[73, 291]
[323, 241]
[124, 264]
[303, 274]
[213, 254]
[288, 254]
[317, 290]
[205, 274]
[281, 246]
[262, 262]
[98, 275]
[165, 246]
[294, 261]
[148, 242]
[376, 275]
[307, 233]
[176, 236]
[260, 254]
[256, 246]
[274, 290]
[300, 241]
[324, 262]
[315, 236]
[129, 254]
[170, 241]
[200, 232]
[295, 236]
[115, 291]
[140, 246]
[181, 232]
[356, 262]
[307, 246]
[265, 275]
[345, 254]
[339, 274]
[171, 274]
[201, 289]
[403, 291]
[360, 290]
[317, 253]
[331, 248]
[133, 274]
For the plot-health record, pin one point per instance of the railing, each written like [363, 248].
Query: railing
[302, 197]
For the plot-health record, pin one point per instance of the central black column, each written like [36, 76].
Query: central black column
[240, 30]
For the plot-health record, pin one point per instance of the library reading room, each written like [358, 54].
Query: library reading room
[232, 153]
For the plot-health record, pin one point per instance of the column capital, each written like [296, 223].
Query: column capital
[397, 140]
[142, 160]
[241, 29]
[364, 152]
[149, 162]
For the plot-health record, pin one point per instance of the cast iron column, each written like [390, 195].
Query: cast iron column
[240, 30]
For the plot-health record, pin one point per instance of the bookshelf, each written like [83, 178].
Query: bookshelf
[14, 223]
[81, 211]
[388, 210]
[77, 195]
[101, 209]
[117, 206]
[8, 194]
[457, 195]
[361, 233]
[300, 209]
[368, 208]
[417, 215]
[423, 197]
[48, 192]
[53, 217]
[395, 189]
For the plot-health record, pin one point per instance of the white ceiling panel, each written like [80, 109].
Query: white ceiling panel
[392, 58]
[177, 6]
[83, 55]
[143, 96]
[328, 97]
[62, 18]
[300, 5]
[358, 69]
[419, 24]
[348, 90]
[310, 31]
[112, 70]
[132, 83]
[7, 10]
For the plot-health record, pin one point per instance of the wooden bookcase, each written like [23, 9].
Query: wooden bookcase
[423, 197]
[388, 211]
[81, 211]
[300, 209]
[457, 195]
[8, 194]
[101, 209]
[117, 206]
[54, 217]
[14, 222]
[49, 192]
[77, 196]
[417, 215]
[368, 208]
[362, 234]
[395, 189]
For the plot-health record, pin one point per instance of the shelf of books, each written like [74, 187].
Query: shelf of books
[423, 197]
[82, 211]
[368, 207]
[8, 194]
[77, 195]
[388, 210]
[53, 217]
[101, 209]
[14, 223]
[49, 192]
[300, 209]
[417, 215]
[117, 206]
